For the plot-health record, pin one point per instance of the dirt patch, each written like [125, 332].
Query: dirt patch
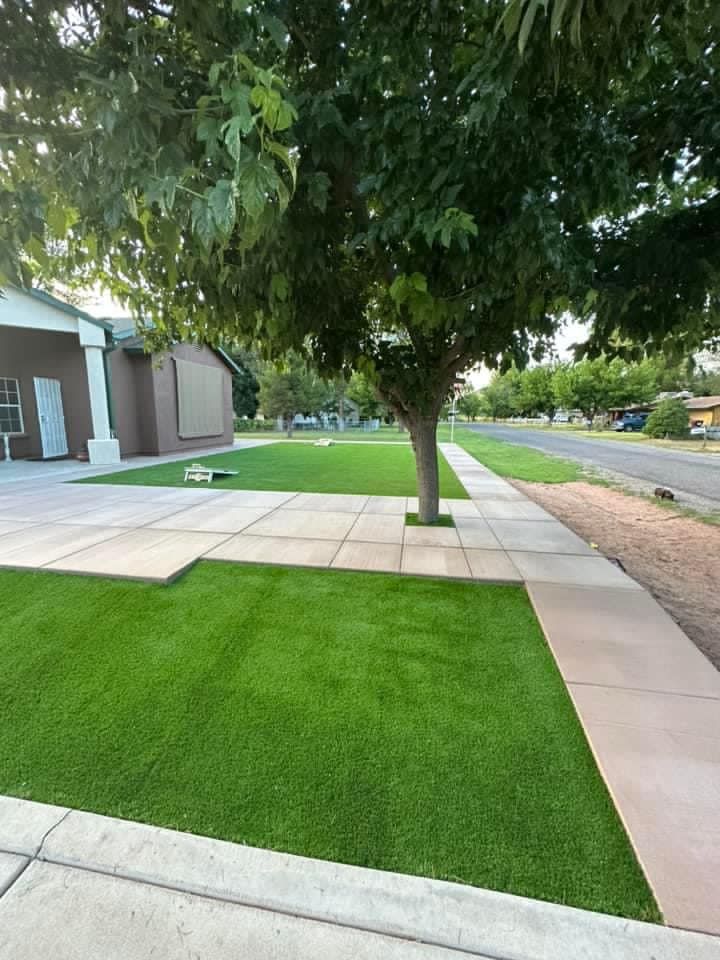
[674, 557]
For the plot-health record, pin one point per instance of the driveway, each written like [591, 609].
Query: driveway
[692, 473]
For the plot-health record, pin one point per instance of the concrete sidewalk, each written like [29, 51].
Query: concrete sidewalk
[76, 886]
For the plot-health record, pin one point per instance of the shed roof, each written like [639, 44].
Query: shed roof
[136, 344]
[63, 307]
[702, 403]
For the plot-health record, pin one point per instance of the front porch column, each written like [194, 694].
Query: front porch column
[102, 447]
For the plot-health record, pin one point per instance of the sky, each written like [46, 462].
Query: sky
[572, 332]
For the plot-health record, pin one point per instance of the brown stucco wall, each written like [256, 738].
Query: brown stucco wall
[144, 399]
[25, 354]
[133, 402]
[165, 389]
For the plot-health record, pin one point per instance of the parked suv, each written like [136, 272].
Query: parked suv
[630, 422]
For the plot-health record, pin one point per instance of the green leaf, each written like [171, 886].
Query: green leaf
[207, 129]
[233, 132]
[318, 188]
[214, 73]
[254, 183]
[526, 25]
[283, 154]
[56, 220]
[276, 28]
[203, 223]
[556, 17]
[221, 201]
[511, 18]
[279, 286]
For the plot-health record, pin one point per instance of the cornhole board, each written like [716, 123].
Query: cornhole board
[201, 474]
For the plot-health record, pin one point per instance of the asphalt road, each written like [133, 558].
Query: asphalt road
[694, 473]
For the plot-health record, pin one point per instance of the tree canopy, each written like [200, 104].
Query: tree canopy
[402, 187]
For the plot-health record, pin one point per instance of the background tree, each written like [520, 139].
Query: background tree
[471, 405]
[502, 395]
[283, 391]
[705, 383]
[669, 419]
[406, 194]
[362, 391]
[537, 392]
[596, 386]
[245, 385]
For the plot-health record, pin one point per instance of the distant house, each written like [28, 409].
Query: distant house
[72, 384]
[704, 411]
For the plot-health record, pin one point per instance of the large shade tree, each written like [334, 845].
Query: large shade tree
[400, 186]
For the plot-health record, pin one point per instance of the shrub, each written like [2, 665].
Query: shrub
[669, 419]
[252, 426]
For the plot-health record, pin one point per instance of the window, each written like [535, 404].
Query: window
[11, 418]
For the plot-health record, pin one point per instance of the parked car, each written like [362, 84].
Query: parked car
[630, 422]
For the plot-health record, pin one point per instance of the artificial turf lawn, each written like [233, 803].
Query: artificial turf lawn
[513, 460]
[383, 470]
[406, 724]
[443, 520]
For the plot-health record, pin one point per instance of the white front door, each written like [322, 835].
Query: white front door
[48, 399]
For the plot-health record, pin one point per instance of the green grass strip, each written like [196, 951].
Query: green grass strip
[443, 520]
[513, 460]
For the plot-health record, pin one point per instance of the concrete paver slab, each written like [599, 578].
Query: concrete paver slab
[414, 908]
[55, 911]
[213, 517]
[476, 532]
[572, 570]
[493, 565]
[378, 528]
[13, 526]
[331, 502]
[413, 505]
[126, 513]
[356, 555]
[40, 544]
[255, 498]
[143, 493]
[620, 638]
[294, 551]
[24, 824]
[538, 536]
[387, 505]
[667, 788]
[316, 524]
[681, 714]
[434, 561]
[43, 512]
[11, 866]
[480, 492]
[432, 536]
[463, 508]
[512, 510]
[146, 554]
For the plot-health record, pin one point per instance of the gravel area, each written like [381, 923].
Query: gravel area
[675, 557]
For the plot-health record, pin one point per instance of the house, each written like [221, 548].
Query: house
[704, 411]
[69, 384]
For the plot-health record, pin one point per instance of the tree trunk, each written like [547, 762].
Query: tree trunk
[423, 433]
[289, 422]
